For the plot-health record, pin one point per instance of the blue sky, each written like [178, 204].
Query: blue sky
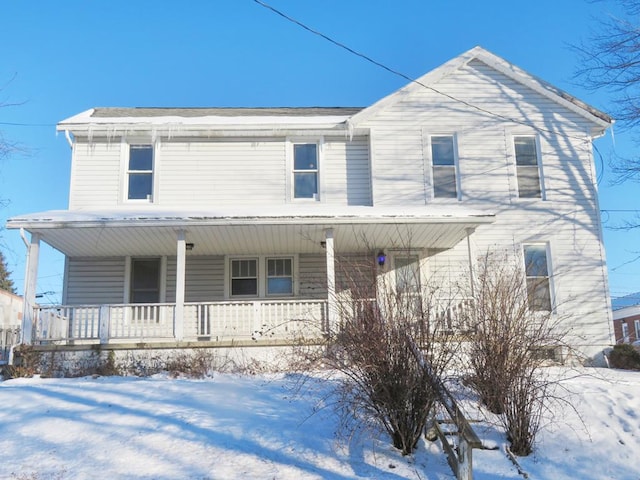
[60, 58]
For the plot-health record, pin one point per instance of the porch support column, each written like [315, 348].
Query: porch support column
[331, 281]
[30, 285]
[181, 255]
[470, 257]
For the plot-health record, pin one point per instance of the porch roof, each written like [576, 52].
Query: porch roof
[250, 230]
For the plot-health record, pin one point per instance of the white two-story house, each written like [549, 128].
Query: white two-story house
[214, 225]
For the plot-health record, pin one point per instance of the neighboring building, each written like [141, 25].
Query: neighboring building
[224, 224]
[626, 324]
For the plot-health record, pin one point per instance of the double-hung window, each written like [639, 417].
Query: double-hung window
[261, 277]
[537, 277]
[527, 167]
[444, 167]
[305, 171]
[279, 276]
[244, 277]
[140, 173]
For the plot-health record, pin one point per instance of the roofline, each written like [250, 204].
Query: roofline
[56, 220]
[557, 95]
[624, 312]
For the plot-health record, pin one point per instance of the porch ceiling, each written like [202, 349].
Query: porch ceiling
[277, 231]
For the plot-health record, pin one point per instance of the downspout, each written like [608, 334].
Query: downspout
[67, 135]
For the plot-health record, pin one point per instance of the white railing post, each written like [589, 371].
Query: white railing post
[103, 325]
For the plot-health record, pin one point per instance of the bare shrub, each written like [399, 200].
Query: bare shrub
[509, 343]
[378, 321]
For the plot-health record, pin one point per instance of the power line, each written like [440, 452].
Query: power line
[406, 77]
[14, 124]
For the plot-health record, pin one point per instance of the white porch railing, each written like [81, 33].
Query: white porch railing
[9, 337]
[216, 321]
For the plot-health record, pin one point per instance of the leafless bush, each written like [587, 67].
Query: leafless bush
[509, 343]
[379, 318]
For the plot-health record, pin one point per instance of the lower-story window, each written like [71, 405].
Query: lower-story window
[537, 273]
[244, 277]
[279, 276]
[261, 277]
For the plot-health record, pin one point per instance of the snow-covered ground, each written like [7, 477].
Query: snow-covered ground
[274, 427]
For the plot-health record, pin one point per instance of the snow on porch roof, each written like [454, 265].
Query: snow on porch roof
[231, 230]
[284, 214]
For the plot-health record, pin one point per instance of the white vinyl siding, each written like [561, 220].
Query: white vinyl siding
[346, 174]
[96, 178]
[94, 281]
[211, 173]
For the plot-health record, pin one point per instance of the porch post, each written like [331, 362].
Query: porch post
[30, 285]
[331, 280]
[470, 257]
[178, 326]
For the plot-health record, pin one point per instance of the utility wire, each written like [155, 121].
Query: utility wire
[406, 77]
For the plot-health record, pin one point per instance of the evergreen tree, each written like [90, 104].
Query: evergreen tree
[5, 282]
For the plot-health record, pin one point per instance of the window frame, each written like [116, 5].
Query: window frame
[291, 170]
[257, 277]
[625, 332]
[132, 270]
[127, 171]
[267, 277]
[548, 277]
[262, 276]
[636, 327]
[455, 166]
[537, 166]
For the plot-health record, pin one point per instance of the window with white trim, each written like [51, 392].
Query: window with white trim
[140, 173]
[244, 277]
[636, 326]
[625, 332]
[527, 167]
[279, 276]
[443, 162]
[305, 171]
[537, 277]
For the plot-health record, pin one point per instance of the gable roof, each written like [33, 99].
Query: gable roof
[600, 119]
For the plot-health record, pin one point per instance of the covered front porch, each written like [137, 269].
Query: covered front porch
[100, 308]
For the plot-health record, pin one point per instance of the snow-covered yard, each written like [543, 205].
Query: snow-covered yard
[266, 427]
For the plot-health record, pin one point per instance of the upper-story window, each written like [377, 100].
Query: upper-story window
[527, 167]
[443, 160]
[305, 170]
[537, 274]
[140, 173]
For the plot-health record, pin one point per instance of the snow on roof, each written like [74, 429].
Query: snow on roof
[238, 215]
[176, 118]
